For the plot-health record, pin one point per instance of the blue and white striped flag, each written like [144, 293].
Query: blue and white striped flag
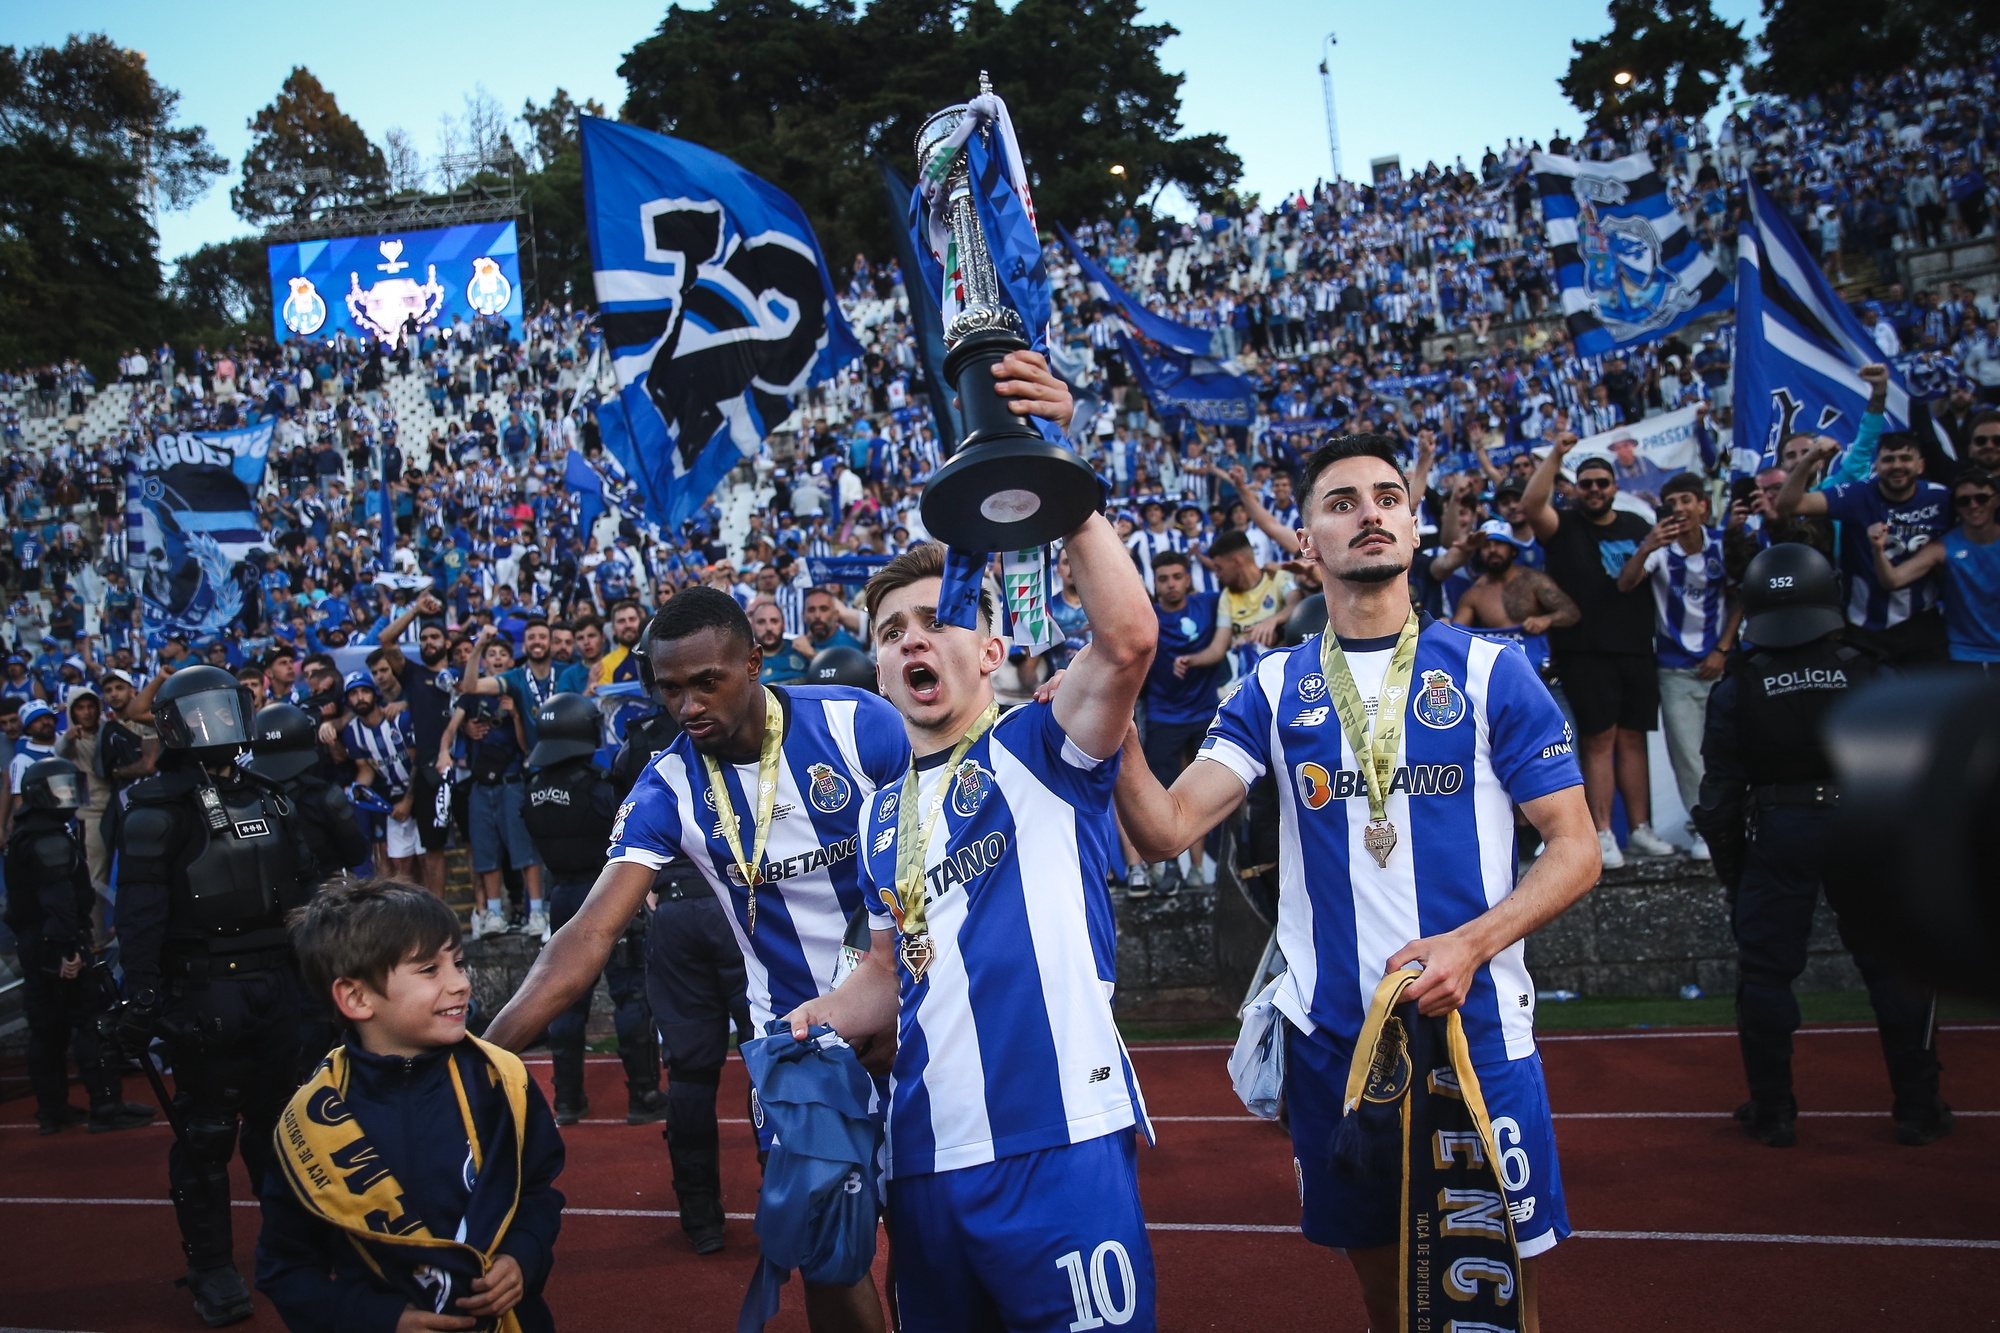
[1799, 348]
[1628, 268]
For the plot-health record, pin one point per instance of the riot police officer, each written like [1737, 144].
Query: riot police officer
[63, 988]
[208, 871]
[569, 809]
[284, 748]
[840, 665]
[696, 986]
[1769, 807]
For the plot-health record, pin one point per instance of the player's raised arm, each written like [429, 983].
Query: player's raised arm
[1094, 707]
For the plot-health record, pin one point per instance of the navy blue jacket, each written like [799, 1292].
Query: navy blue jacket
[311, 1271]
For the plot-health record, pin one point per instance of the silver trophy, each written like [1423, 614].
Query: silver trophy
[1004, 487]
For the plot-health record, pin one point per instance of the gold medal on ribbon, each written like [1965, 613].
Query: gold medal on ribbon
[913, 849]
[1374, 748]
[752, 866]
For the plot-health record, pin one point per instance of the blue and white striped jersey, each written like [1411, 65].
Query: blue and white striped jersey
[387, 746]
[1688, 600]
[1480, 734]
[840, 745]
[1007, 1045]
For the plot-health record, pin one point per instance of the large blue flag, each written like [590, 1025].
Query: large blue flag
[583, 481]
[1194, 387]
[1798, 348]
[1160, 329]
[1628, 268]
[193, 529]
[715, 304]
[925, 318]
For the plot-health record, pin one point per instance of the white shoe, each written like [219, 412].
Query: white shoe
[486, 922]
[538, 925]
[1644, 842]
[1698, 849]
[1607, 847]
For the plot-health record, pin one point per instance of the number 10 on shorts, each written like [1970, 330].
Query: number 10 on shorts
[1091, 1290]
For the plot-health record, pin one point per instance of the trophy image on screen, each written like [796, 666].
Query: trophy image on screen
[1004, 487]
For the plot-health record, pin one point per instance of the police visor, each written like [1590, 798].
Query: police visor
[214, 718]
[65, 791]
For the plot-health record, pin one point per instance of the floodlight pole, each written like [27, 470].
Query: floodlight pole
[1326, 87]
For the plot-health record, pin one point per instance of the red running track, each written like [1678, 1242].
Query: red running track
[1683, 1224]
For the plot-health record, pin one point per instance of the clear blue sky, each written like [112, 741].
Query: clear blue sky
[1424, 80]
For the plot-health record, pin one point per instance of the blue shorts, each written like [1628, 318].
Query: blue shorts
[1349, 1217]
[494, 818]
[1046, 1240]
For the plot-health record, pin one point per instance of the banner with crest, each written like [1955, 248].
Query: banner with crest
[192, 529]
[1628, 267]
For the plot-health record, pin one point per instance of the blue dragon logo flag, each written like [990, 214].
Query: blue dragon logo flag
[1194, 387]
[1799, 348]
[194, 528]
[1628, 268]
[715, 305]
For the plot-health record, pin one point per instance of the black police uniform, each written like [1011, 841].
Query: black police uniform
[697, 987]
[569, 810]
[286, 750]
[1767, 772]
[49, 902]
[208, 871]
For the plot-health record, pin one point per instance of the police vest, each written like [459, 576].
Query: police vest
[1783, 697]
[45, 861]
[645, 739]
[564, 818]
[235, 873]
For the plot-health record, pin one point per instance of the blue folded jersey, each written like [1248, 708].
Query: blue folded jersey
[817, 1209]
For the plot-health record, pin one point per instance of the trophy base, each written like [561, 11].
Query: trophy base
[1010, 493]
[1005, 487]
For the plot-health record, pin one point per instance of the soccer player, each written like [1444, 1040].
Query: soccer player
[1013, 1190]
[762, 793]
[1397, 847]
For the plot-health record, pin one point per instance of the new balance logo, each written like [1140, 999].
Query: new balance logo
[1311, 717]
[882, 841]
[1100, 1074]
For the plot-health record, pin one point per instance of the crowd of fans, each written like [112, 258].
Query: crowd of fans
[1409, 306]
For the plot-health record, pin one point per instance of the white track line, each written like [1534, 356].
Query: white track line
[1250, 1228]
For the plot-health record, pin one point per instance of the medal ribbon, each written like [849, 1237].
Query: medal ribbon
[767, 800]
[913, 846]
[1377, 753]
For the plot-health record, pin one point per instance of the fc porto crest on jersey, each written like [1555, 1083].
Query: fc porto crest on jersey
[305, 309]
[1439, 705]
[618, 824]
[828, 791]
[970, 785]
[1312, 688]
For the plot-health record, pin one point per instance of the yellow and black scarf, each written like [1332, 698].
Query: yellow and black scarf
[1414, 1119]
[340, 1178]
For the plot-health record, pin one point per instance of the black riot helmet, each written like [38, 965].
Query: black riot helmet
[1790, 597]
[567, 726]
[54, 784]
[841, 665]
[284, 742]
[1307, 619]
[203, 711]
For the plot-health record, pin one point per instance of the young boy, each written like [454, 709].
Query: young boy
[415, 1182]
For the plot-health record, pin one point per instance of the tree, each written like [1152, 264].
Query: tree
[1810, 48]
[88, 147]
[805, 94]
[305, 154]
[1678, 53]
[552, 129]
[223, 287]
[403, 163]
